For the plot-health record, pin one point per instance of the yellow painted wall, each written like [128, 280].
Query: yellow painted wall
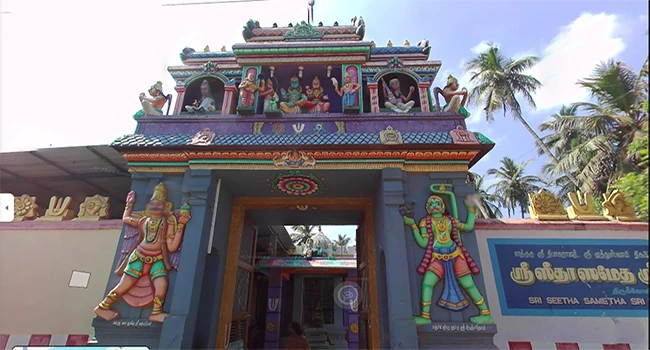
[36, 263]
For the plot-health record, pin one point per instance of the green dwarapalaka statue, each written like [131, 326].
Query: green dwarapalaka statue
[445, 257]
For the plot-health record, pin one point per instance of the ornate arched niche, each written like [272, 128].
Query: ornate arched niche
[405, 82]
[193, 92]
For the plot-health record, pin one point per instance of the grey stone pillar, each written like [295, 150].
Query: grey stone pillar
[392, 240]
[183, 301]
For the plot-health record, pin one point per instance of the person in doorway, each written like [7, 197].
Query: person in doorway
[296, 339]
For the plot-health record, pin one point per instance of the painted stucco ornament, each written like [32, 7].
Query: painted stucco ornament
[545, 206]
[616, 207]
[395, 99]
[94, 208]
[455, 100]
[445, 258]
[25, 208]
[151, 248]
[153, 105]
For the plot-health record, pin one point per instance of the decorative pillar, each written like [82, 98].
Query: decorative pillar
[229, 98]
[373, 90]
[402, 329]
[351, 314]
[199, 190]
[180, 89]
[273, 308]
[423, 87]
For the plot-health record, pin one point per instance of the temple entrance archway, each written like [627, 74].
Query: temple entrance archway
[248, 277]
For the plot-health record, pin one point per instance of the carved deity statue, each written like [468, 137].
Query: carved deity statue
[248, 88]
[151, 248]
[455, 99]
[395, 100]
[316, 99]
[206, 103]
[267, 90]
[445, 258]
[153, 105]
[293, 98]
[349, 90]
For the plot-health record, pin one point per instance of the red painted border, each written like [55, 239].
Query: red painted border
[535, 225]
[62, 225]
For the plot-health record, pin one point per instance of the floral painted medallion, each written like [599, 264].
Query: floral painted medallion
[295, 183]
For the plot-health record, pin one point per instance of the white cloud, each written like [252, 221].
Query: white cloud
[482, 46]
[572, 55]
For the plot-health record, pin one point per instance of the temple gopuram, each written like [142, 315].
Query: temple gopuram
[310, 124]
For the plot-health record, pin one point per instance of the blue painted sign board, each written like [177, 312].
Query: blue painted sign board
[571, 277]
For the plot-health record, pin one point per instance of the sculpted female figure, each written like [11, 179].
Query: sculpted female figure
[455, 99]
[445, 257]
[316, 98]
[153, 105]
[158, 232]
[395, 100]
[248, 88]
[268, 92]
[294, 98]
[348, 91]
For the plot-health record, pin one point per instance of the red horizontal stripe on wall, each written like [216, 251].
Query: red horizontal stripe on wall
[619, 346]
[4, 339]
[77, 339]
[520, 345]
[40, 340]
[567, 346]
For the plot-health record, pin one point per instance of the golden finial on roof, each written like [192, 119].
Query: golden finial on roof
[372, 44]
[407, 43]
[223, 48]
[389, 44]
[207, 48]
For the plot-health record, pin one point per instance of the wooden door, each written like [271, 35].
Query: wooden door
[241, 310]
[362, 282]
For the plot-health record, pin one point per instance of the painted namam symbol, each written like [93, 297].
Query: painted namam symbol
[273, 304]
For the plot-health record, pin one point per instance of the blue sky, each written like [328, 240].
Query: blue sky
[77, 82]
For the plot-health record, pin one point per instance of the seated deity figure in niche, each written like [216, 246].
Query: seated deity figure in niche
[395, 100]
[455, 99]
[293, 98]
[248, 88]
[316, 98]
[348, 91]
[206, 103]
[268, 92]
[153, 105]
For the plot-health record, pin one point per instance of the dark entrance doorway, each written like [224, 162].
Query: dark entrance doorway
[263, 293]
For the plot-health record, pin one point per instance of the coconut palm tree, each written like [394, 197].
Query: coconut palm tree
[598, 152]
[301, 233]
[487, 202]
[498, 80]
[342, 241]
[513, 185]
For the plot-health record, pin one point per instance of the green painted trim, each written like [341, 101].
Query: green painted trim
[302, 50]
[178, 164]
[431, 106]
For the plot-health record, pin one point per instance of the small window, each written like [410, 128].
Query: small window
[79, 279]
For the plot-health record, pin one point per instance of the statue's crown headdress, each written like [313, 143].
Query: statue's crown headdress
[346, 75]
[205, 82]
[451, 79]
[316, 79]
[160, 193]
[294, 77]
[158, 85]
